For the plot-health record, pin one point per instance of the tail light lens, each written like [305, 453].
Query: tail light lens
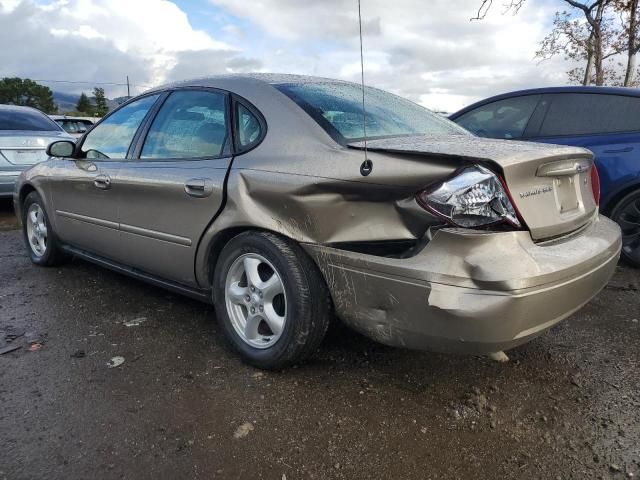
[595, 183]
[473, 198]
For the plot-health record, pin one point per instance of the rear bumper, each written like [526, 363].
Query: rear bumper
[470, 292]
[8, 181]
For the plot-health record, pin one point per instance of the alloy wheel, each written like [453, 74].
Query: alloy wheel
[37, 230]
[256, 301]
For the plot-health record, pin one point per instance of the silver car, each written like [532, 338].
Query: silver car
[258, 194]
[25, 133]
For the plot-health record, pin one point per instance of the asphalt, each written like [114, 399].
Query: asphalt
[567, 405]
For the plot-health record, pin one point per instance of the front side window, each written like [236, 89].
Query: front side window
[190, 124]
[588, 114]
[111, 138]
[338, 108]
[506, 118]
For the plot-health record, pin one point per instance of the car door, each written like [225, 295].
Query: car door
[606, 124]
[83, 194]
[173, 187]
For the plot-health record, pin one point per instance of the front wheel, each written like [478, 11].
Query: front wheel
[39, 237]
[271, 301]
[627, 214]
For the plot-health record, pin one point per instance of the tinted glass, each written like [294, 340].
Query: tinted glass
[502, 119]
[248, 126]
[587, 113]
[111, 139]
[190, 124]
[338, 108]
[26, 120]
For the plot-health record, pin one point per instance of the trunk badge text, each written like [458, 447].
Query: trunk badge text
[536, 191]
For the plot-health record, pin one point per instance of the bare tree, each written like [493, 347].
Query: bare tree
[513, 6]
[593, 40]
[630, 36]
[594, 15]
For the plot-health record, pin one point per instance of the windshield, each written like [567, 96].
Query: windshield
[26, 120]
[337, 107]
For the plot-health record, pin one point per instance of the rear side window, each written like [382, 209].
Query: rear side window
[506, 118]
[111, 138]
[190, 124]
[588, 114]
[248, 127]
[26, 120]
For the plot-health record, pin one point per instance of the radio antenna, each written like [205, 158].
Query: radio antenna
[367, 166]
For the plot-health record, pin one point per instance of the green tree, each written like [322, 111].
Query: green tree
[84, 105]
[101, 102]
[23, 91]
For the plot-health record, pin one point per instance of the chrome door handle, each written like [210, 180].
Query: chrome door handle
[198, 187]
[103, 182]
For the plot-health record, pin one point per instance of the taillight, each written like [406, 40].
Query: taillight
[473, 198]
[595, 183]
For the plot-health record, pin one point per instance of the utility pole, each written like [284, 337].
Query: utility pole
[128, 89]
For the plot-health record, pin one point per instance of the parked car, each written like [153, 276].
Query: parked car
[604, 120]
[75, 126]
[258, 194]
[25, 133]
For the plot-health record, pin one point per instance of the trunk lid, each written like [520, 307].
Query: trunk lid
[27, 148]
[549, 185]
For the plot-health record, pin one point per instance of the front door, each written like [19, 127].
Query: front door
[173, 187]
[84, 196]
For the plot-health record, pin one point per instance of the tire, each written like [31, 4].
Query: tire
[626, 213]
[289, 320]
[40, 239]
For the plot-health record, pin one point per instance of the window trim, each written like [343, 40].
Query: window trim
[141, 136]
[237, 100]
[78, 150]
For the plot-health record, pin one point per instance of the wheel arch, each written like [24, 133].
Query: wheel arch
[211, 248]
[615, 198]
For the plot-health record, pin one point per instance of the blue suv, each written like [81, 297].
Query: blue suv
[604, 120]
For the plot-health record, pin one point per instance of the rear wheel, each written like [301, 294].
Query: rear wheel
[270, 299]
[39, 237]
[627, 214]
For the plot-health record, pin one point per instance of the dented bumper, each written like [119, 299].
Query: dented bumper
[470, 291]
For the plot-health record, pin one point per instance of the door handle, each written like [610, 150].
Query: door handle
[198, 187]
[103, 182]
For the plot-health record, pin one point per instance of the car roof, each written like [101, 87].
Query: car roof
[18, 108]
[627, 91]
[245, 79]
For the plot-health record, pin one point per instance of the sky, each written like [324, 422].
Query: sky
[426, 50]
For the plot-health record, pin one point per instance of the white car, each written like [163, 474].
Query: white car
[25, 133]
[74, 126]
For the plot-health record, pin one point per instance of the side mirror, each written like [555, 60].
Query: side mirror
[61, 148]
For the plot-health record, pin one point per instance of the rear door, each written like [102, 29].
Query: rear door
[173, 187]
[84, 196]
[608, 125]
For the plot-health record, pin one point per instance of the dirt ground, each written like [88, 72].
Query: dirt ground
[182, 406]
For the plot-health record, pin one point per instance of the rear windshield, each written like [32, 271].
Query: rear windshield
[26, 120]
[337, 107]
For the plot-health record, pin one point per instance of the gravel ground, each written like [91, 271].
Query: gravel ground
[181, 405]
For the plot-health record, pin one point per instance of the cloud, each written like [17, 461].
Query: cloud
[151, 41]
[426, 51]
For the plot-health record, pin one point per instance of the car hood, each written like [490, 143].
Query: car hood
[550, 185]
